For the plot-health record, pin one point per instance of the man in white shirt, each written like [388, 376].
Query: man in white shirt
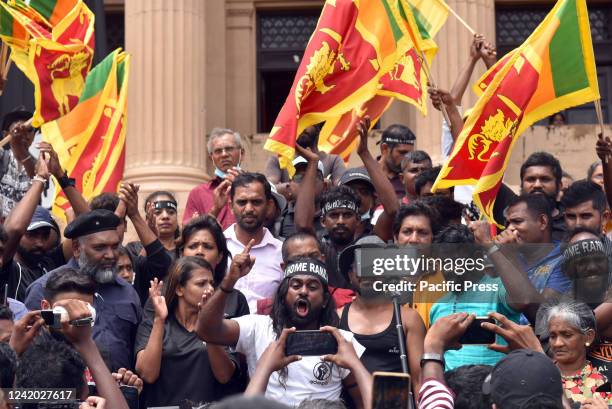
[302, 301]
[251, 196]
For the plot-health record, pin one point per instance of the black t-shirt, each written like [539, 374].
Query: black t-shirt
[185, 371]
[287, 224]
[19, 276]
[154, 265]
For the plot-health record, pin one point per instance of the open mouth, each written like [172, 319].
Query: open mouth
[302, 307]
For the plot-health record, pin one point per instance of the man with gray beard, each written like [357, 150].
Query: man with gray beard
[95, 242]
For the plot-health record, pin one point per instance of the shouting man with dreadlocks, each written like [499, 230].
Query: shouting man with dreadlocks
[302, 302]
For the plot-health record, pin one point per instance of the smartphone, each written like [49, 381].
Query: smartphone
[476, 335]
[307, 343]
[130, 393]
[52, 318]
[391, 390]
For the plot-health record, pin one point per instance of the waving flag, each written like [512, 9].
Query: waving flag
[52, 42]
[359, 50]
[553, 70]
[90, 140]
[354, 45]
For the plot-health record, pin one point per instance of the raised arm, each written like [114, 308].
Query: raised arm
[440, 97]
[382, 185]
[465, 75]
[128, 193]
[304, 203]
[522, 295]
[148, 360]
[76, 199]
[81, 339]
[19, 218]
[21, 139]
[603, 148]
[211, 325]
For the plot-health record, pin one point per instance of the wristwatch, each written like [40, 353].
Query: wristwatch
[430, 356]
[65, 181]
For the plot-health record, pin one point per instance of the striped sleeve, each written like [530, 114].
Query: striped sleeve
[435, 395]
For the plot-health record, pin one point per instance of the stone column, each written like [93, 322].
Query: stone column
[453, 41]
[166, 144]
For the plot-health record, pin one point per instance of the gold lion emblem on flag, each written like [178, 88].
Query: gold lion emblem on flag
[495, 128]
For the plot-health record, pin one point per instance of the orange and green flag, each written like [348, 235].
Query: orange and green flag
[354, 44]
[52, 42]
[49, 11]
[360, 49]
[90, 140]
[553, 70]
[406, 80]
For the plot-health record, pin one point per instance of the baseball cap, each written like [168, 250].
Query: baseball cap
[42, 218]
[521, 376]
[354, 174]
[300, 160]
[18, 114]
[347, 256]
[280, 200]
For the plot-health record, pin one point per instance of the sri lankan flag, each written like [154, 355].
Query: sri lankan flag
[55, 52]
[553, 70]
[354, 44]
[406, 81]
[90, 140]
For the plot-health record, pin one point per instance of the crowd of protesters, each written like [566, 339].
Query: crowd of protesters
[198, 312]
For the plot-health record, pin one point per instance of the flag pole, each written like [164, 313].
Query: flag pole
[458, 17]
[433, 84]
[3, 58]
[7, 139]
[599, 113]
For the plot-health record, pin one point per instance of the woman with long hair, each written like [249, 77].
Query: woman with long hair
[203, 237]
[167, 348]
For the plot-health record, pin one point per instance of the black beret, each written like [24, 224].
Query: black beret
[93, 222]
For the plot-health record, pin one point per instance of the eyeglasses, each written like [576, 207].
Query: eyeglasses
[220, 151]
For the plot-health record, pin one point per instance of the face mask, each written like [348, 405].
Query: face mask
[221, 174]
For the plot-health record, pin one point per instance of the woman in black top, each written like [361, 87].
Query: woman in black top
[202, 237]
[174, 363]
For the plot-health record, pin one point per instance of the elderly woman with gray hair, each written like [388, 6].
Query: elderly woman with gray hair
[571, 330]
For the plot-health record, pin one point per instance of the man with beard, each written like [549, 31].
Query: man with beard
[396, 141]
[370, 318]
[33, 247]
[302, 302]
[586, 263]
[251, 196]
[540, 174]
[585, 207]
[95, 242]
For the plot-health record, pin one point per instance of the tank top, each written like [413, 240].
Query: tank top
[382, 351]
